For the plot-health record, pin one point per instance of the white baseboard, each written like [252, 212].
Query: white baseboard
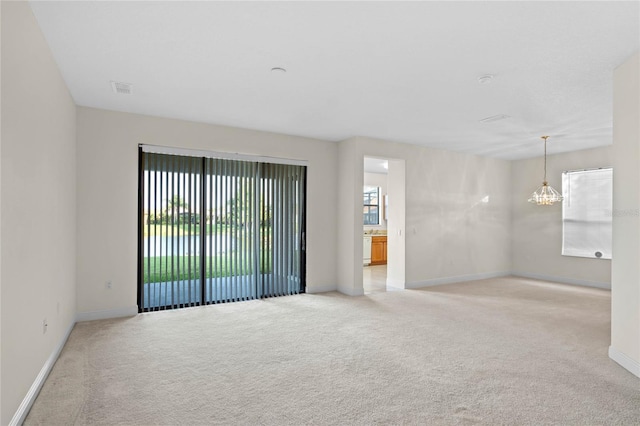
[352, 291]
[129, 311]
[626, 362]
[456, 279]
[34, 390]
[21, 414]
[320, 289]
[563, 280]
[395, 284]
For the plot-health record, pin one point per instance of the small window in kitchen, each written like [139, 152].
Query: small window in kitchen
[371, 207]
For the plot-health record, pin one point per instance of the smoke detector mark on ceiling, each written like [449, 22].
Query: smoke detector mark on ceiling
[485, 79]
[494, 118]
[121, 88]
[278, 70]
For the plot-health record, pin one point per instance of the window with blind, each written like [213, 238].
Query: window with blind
[371, 206]
[587, 213]
[218, 230]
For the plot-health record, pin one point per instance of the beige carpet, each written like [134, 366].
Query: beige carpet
[504, 351]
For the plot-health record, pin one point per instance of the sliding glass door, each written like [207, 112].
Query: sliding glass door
[169, 249]
[217, 230]
[282, 237]
[230, 246]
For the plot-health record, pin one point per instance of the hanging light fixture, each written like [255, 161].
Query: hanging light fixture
[545, 195]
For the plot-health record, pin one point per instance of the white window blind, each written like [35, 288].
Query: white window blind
[586, 213]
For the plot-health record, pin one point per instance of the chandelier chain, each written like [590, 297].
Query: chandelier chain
[545, 158]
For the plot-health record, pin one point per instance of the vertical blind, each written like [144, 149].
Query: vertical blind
[217, 230]
[587, 213]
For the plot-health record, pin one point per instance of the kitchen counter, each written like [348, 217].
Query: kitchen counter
[375, 232]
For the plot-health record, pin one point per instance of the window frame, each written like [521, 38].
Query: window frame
[595, 216]
[368, 206]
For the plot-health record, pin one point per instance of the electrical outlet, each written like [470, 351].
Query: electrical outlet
[44, 326]
[108, 285]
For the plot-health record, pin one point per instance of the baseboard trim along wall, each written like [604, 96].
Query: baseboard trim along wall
[34, 390]
[129, 311]
[456, 279]
[563, 280]
[352, 291]
[395, 285]
[21, 414]
[320, 289]
[624, 361]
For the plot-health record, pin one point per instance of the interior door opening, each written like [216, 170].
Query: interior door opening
[383, 225]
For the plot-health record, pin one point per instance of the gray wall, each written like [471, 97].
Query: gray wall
[107, 196]
[625, 288]
[536, 231]
[38, 218]
[457, 213]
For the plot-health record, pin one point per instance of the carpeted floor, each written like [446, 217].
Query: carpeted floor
[502, 351]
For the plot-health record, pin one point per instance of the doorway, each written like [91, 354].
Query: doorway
[383, 223]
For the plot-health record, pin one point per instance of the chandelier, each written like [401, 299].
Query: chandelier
[545, 195]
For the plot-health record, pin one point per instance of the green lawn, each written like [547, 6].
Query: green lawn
[159, 269]
[182, 229]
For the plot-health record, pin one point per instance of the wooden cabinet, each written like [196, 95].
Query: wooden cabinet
[379, 250]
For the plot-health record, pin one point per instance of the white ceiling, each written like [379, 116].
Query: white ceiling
[400, 71]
